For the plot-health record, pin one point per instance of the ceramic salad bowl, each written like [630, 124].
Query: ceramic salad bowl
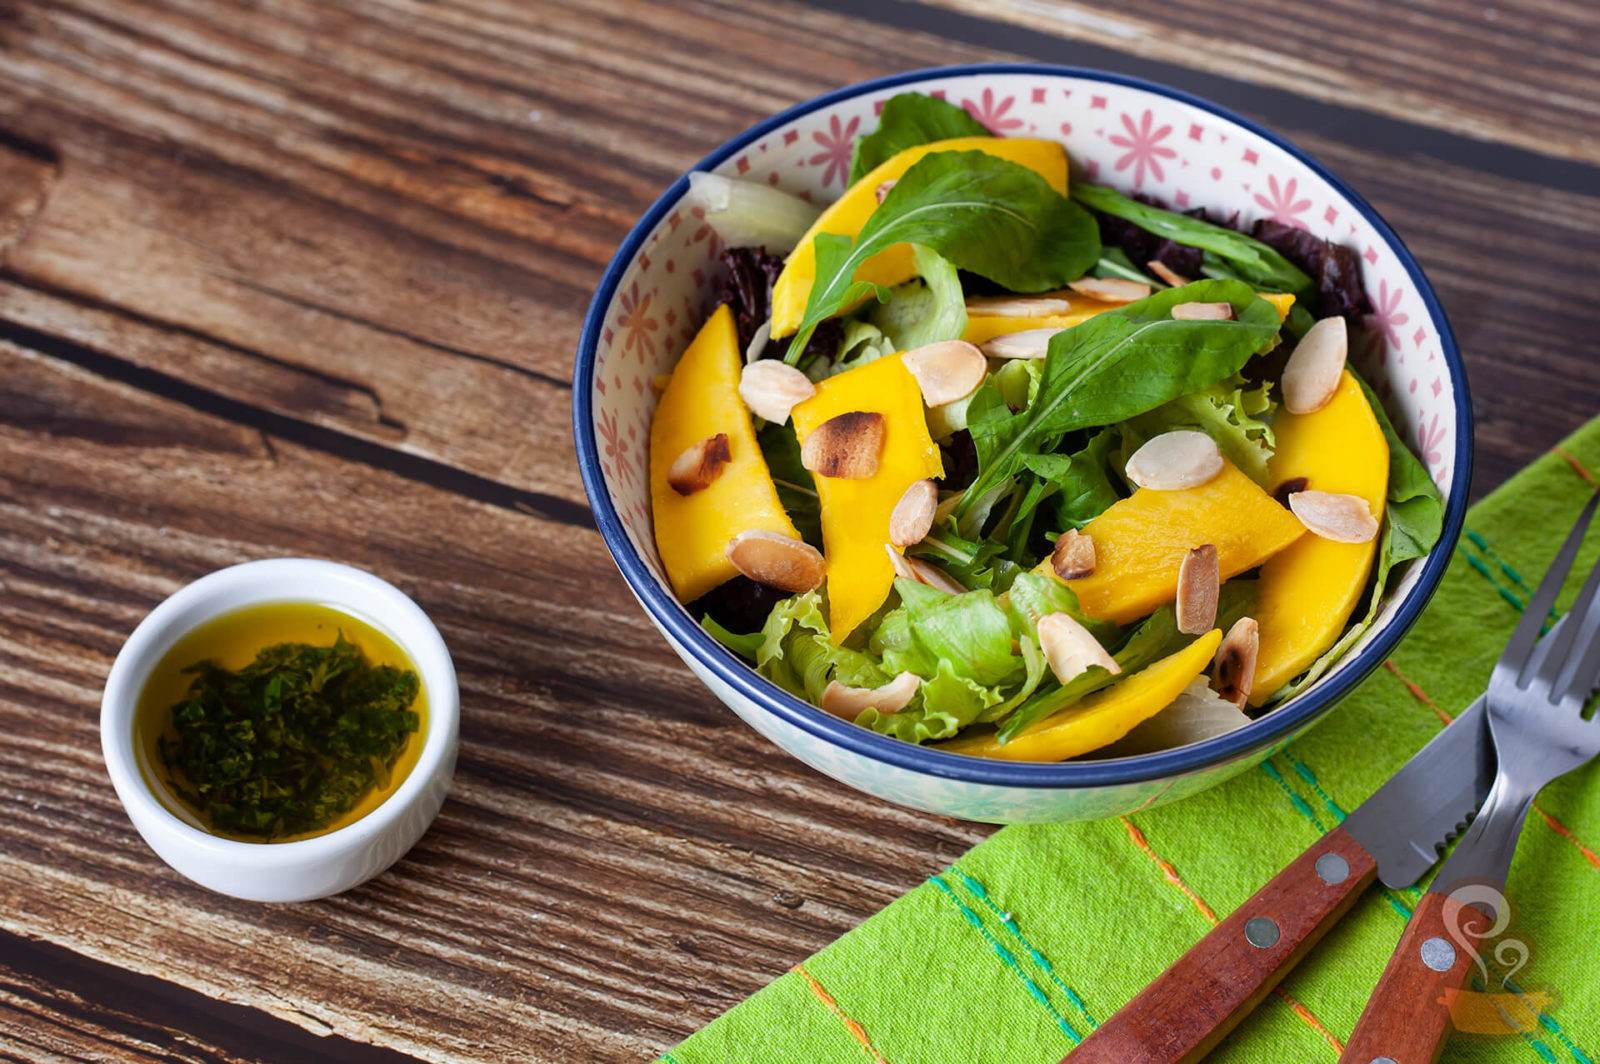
[1137, 137]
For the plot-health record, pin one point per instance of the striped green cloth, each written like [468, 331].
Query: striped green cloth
[1015, 952]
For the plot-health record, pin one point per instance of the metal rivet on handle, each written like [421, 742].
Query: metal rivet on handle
[1331, 868]
[1382, 1060]
[1438, 954]
[1261, 932]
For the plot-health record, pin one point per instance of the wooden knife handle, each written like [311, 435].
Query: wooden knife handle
[1408, 1017]
[1188, 1009]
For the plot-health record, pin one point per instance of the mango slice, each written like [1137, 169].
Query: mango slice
[1308, 590]
[1103, 717]
[702, 399]
[855, 513]
[1140, 542]
[981, 327]
[850, 212]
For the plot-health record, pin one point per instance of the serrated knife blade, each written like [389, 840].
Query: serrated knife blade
[1422, 806]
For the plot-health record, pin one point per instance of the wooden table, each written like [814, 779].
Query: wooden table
[304, 277]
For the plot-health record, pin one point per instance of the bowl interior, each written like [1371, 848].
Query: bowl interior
[1126, 135]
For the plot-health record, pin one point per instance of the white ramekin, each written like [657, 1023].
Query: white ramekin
[309, 868]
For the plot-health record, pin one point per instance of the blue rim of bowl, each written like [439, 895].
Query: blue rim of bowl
[740, 676]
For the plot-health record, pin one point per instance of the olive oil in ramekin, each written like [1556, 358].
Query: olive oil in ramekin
[232, 642]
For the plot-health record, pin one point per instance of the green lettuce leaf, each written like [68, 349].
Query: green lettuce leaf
[1229, 253]
[984, 214]
[906, 121]
[925, 310]
[1415, 508]
[746, 646]
[797, 654]
[1115, 366]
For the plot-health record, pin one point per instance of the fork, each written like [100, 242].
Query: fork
[1535, 703]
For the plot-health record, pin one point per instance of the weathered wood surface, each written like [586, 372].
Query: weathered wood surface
[300, 277]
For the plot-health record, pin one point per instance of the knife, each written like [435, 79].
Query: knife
[1394, 836]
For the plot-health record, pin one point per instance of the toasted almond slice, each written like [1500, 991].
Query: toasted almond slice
[1025, 343]
[1073, 558]
[845, 447]
[1199, 583]
[923, 573]
[1234, 669]
[1312, 373]
[1110, 289]
[946, 371]
[1017, 306]
[1167, 274]
[699, 465]
[773, 559]
[883, 189]
[912, 516]
[1341, 518]
[1070, 648]
[1175, 460]
[892, 697]
[771, 389]
[758, 344]
[1203, 312]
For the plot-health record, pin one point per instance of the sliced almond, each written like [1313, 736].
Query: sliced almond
[883, 189]
[699, 465]
[946, 371]
[845, 447]
[1017, 306]
[1025, 343]
[1203, 312]
[1234, 669]
[1341, 518]
[771, 389]
[1073, 558]
[1199, 583]
[1175, 460]
[1070, 648]
[1167, 274]
[1110, 289]
[912, 516]
[923, 573]
[758, 343]
[850, 702]
[773, 559]
[1312, 373]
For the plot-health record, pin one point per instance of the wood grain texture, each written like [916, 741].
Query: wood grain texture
[1187, 1009]
[1521, 73]
[1408, 1018]
[302, 277]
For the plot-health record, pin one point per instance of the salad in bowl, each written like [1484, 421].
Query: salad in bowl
[985, 457]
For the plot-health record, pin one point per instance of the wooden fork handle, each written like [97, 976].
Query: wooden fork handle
[1408, 1018]
[1188, 1009]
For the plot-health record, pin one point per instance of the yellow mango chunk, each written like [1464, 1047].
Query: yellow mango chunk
[850, 212]
[1103, 717]
[702, 399]
[1308, 590]
[981, 327]
[1140, 541]
[855, 513]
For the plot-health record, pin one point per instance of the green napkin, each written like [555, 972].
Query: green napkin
[1015, 952]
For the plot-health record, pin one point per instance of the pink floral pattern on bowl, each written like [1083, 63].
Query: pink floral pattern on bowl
[1126, 136]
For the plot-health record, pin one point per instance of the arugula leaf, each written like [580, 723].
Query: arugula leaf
[1083, 479]
[1113, 367]
[1235, 255]
[746, 646]
[906, 121]
[926, 310]
[1416, 509]
[984, 214]
[797, 491]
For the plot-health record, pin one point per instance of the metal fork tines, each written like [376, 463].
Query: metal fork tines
[1535, 700]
